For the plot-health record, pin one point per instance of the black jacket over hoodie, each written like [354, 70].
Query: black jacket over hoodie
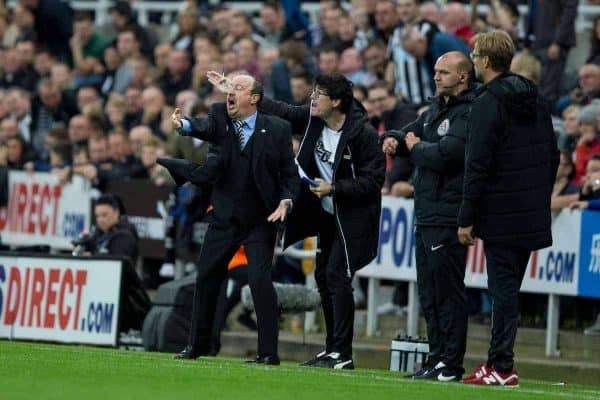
[358, 176]
[511, 162]
[438, 158]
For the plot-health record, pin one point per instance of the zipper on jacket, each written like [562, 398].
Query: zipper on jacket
[337, 217]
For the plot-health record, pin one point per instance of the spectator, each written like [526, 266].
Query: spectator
[88, 98]
[564, 192]
[123, 19]
[115, 111]
[346, 33]
[411, 76]
[18, 103]
[178, 76]
[124, 165]
[188, 23]
[293, 54]
[568, 139]
[503, 15]
[525, 64]
[455, 20]
[134, 108]
[588, 90]
[590, 188]
[330, 23]
[43, 62]
[387, 18]
[329, 60]
[137, 137]
[154, 109]
[391, 113]
[594, 55]
[98, 150]
[301, 83]
[247, 51]
[186, 100]
[48, 109]
[15, 73]
[18, 153]
[87, 46]
[161, 59]
[588, 143]
[375, 56]
[351, 65]
[430, 11]
[22, 25]
[8, 128]
[53, 25]
[140, 72]
[80, 129]
[430, 48]
[553, 27]
[274, 27]
[112, 62]
[151, 149]
[240, 26]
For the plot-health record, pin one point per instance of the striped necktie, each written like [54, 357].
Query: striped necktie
[239, 131]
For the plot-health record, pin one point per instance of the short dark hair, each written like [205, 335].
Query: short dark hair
[257, 88]
[337, 87]
[83, 15]
[382, 85]
[301, 73]
[274, 4]
[111, 200]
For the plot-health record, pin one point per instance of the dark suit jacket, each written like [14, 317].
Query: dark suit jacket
[273, 165]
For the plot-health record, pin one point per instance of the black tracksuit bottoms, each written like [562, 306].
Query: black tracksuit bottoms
[334, 281]
[441, 261]
[506, 267]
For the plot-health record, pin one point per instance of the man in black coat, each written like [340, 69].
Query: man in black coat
[511, 163]
[254, 191]
[435, 143]
[340, 148]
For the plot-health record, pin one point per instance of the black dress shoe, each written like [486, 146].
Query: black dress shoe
[267, 360]
[189, 353]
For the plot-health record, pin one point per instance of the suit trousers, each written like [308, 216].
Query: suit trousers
[441, 261]
[334, 281]
[220, 244]
[506, 267]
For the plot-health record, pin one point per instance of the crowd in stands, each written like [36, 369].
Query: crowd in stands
[96, 101]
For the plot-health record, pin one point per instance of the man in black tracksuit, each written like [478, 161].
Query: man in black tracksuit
[340, 148]
[435, 143]
[511, 163]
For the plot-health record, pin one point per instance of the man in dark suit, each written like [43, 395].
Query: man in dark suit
[252, 194]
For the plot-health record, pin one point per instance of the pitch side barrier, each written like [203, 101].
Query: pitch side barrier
[42, 212]
[570, 267]
[61, 299]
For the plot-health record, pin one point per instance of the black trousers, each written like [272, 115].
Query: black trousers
[334, 281]
[227, 300]
[220, 244]
[441, 261]
[505, 268]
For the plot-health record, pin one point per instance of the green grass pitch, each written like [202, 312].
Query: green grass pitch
[45, 371]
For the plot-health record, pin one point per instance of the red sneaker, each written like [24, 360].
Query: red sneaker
[494, 378]
[478, 372]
